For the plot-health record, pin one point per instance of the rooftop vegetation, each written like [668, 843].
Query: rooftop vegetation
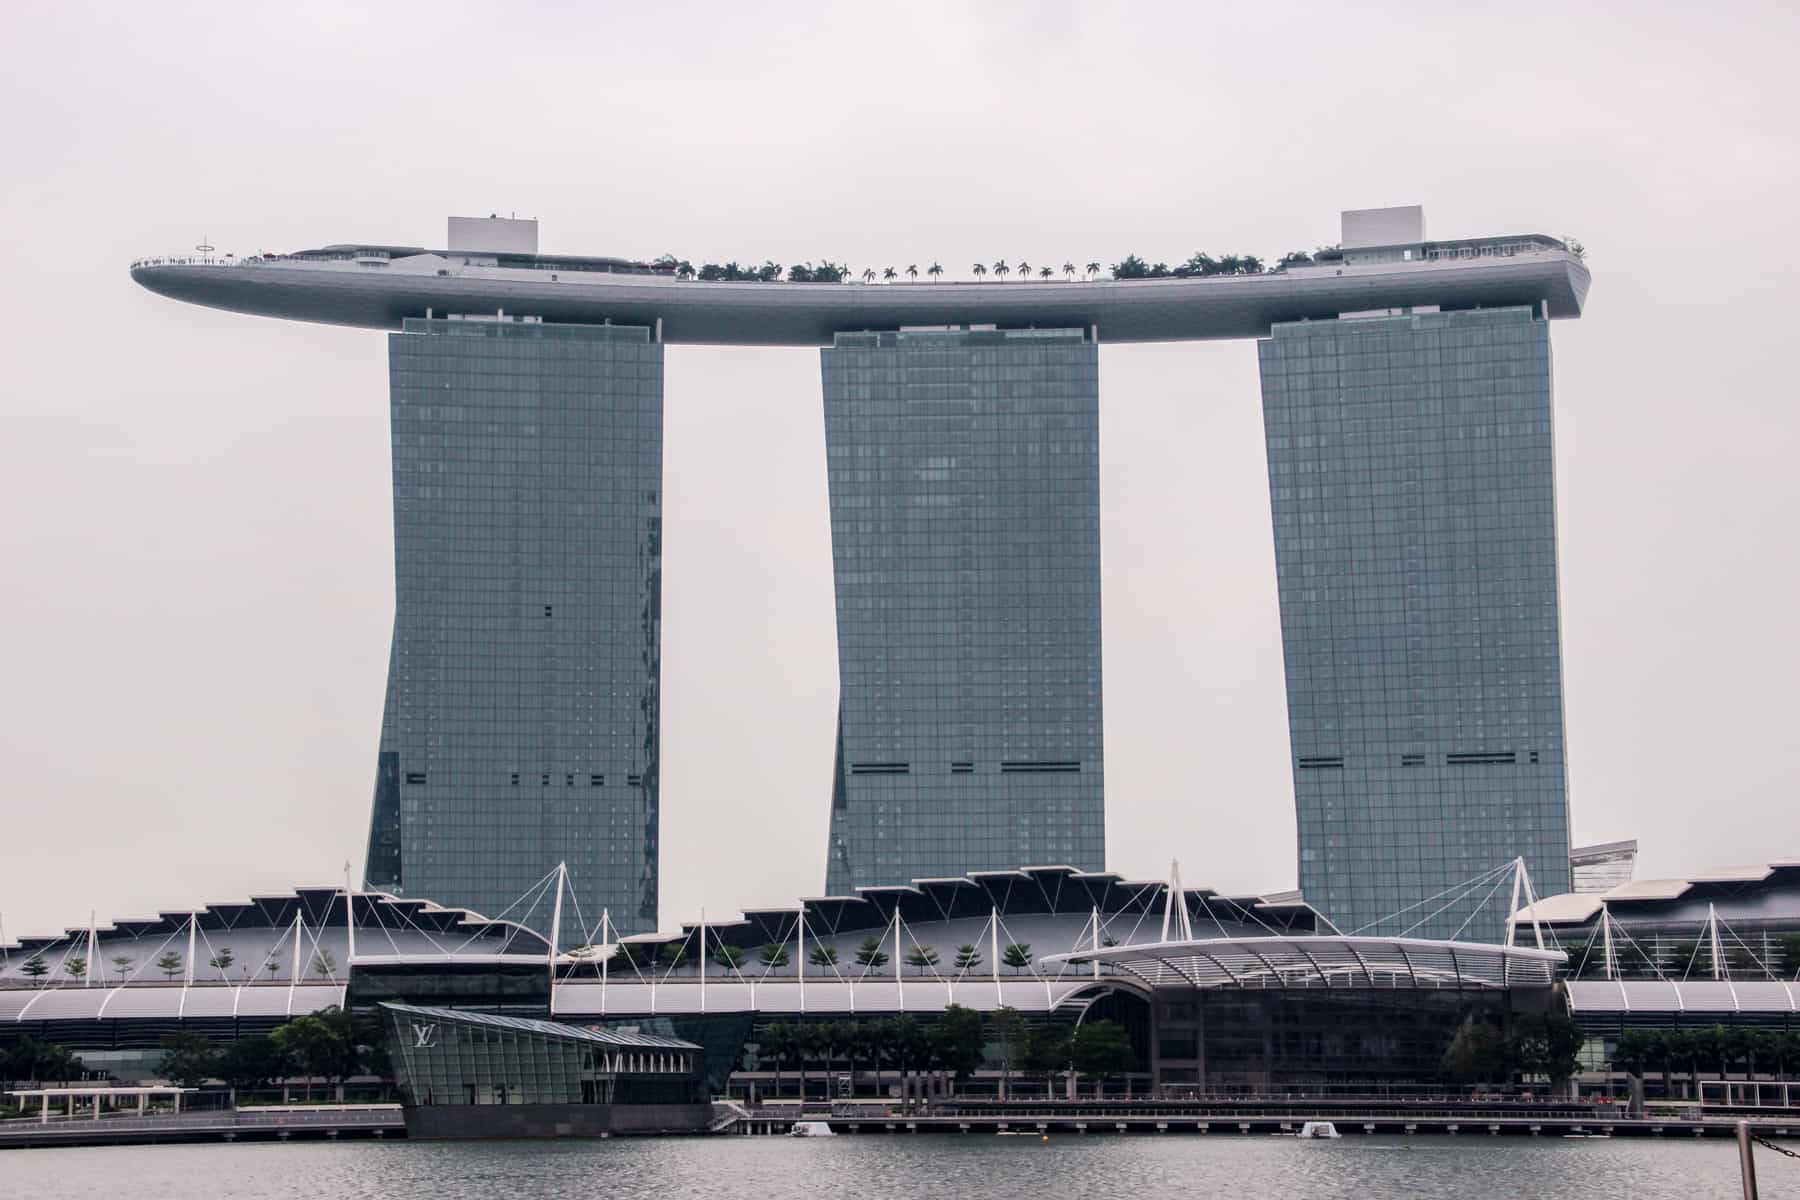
[1198, 265]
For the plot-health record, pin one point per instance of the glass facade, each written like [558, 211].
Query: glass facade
[1254, 1041]
[965, 530]
[1412, 486]
[521, 723]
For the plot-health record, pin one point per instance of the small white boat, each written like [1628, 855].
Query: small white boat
[811, 1129]
[1318, 1129]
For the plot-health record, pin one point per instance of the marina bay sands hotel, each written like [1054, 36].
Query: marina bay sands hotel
[1407, 401]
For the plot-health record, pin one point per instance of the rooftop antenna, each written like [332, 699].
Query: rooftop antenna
[205, 247]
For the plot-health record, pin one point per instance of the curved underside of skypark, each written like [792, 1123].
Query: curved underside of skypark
[809, 314]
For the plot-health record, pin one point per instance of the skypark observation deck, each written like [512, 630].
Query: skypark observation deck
[380, 286]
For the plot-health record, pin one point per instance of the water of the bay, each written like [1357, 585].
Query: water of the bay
[967, 1167]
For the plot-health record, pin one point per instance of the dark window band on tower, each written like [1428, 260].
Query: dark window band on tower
[881, 768]
[1029, 767]
[1493, 758]
[1319, 762]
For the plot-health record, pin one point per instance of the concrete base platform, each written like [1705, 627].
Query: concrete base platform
[554, 1120]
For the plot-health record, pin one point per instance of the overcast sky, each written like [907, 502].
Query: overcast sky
[195, 516]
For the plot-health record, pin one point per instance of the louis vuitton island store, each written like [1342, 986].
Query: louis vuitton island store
[466, 1074]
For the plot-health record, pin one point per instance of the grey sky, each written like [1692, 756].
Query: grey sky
[195, 520]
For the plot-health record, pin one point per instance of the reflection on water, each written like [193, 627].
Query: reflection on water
[871, 1167]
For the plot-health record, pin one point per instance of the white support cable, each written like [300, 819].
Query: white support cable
[315, 952]
[400, 908]
[1754, 956]
[1143, 913]
[674, 962]
[924, 952]
[870, 964]
[1468, 889]
[1273, 932]
[536, 892]
[1031, 966]
[1537, 930]
[1464, 887]
[1620, 931]
[1440, 909]
[1485, 901]
[132, 974]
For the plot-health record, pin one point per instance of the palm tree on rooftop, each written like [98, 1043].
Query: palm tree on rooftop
[888, 274]
[1045, 272]
[868, 274]
[1024, 269]
[934, 270]
[1093, 269]
[912, 272]
[1001, 269]
[979, 271]
[1069, 270]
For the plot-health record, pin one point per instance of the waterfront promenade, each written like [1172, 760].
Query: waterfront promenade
[1260, 1117]
[224, 1125]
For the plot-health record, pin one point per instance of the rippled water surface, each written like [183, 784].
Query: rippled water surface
[1136, 1167]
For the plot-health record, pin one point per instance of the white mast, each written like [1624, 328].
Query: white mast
[1606, 927]
[349, 919]
[1512, 910]
[562, 870]
[800, 952]
[294, 979]
[607, 943]
[994, 950]
[899, 987]
[1175, 902]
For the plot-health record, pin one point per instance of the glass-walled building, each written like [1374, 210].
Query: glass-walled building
[1411, 471]
[965, 530]
[521, 723]
[468, 1074]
